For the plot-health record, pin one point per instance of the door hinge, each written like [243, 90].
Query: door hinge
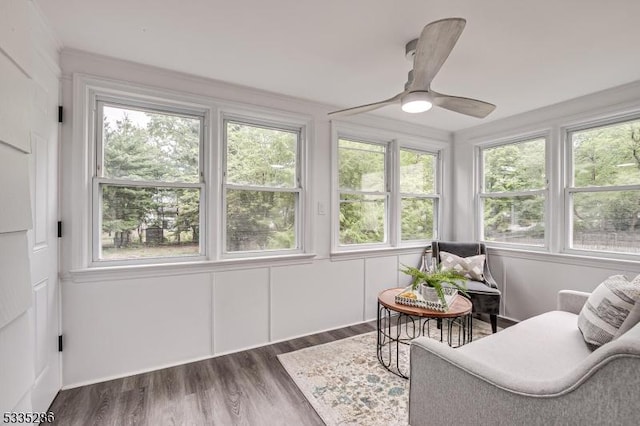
[60, 343]
[60, 116]
[59, 229]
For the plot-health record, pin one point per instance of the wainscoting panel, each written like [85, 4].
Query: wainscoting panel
[15, 288]
[40, 190]
[15, 34]
[530, 287]
[240, 309]
[380, 273]
[16, 369]
[122, 327]
[314, 297]
[41, 311]
[15, 214]
[413, 259]
[15, 105]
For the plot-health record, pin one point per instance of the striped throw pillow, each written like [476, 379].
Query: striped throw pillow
[471, 267]
[607, 309]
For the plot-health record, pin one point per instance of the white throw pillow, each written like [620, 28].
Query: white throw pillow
[471, 267]
[607, 309]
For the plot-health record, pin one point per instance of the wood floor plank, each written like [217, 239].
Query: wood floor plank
[244, 388]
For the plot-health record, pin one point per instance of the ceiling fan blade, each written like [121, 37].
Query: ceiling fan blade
[434, 46]
[468, 106]
[367, 107]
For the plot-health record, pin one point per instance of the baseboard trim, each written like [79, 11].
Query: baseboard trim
[202, 358]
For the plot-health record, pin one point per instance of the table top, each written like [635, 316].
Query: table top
[461, 306]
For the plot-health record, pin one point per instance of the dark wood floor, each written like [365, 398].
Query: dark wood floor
[245, 388]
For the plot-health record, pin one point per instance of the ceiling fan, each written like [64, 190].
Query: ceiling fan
[428, 54]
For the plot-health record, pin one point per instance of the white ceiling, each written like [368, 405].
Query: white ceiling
[519, 55]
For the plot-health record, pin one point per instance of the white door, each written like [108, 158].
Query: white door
[43, 243]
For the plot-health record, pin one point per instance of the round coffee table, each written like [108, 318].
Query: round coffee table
[398, 324]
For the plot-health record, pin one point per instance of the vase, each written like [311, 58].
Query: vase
[429, 293]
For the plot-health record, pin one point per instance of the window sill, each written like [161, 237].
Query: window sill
[375, 252]
[127, 272]
[568, 258]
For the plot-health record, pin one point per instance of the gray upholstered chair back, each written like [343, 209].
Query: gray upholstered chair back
[459, 249]
[464, 250]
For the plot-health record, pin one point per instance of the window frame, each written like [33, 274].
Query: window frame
[569, 187]
[82, 151]
[299, 189]
[437, 182]
[395, 141]
[387, 194]
[481, 195]
[98, 101]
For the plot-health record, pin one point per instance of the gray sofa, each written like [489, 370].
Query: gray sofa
[537, 372]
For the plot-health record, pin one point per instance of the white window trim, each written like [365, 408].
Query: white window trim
[78, 223]
[86, 90]
[301, 127]
[394, 141]
[387, 194]
[568, 188]
[480, 194]
[436, 197]
[98, 170]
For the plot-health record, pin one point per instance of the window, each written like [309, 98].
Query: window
[148, 183]
[387, 194]
[513, 192]
[363, 192]
[164, 187]
[262, 188]
[603, 191]
[418, 197]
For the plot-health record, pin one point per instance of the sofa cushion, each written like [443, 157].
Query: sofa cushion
[471, 267]
[607, 309]
[541, 348]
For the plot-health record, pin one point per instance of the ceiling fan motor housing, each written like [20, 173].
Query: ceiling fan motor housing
[410, 49]
[409, 80]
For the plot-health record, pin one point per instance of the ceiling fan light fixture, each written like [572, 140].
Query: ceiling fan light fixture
[428, 53]
[416, 102]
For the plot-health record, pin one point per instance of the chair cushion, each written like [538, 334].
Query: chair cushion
[485, 299]
[607, 309]
[481, 288]
[471, 267]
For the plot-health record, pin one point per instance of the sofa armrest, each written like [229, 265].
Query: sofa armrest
[434, 362]
[592, 393]
[572, 301]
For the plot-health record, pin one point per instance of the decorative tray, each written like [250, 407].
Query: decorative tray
[418, 300]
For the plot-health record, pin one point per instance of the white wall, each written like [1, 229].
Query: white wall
[29, 93]
[530, 280]
[120, 321]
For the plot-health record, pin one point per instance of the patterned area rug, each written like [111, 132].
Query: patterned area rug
[346, 385]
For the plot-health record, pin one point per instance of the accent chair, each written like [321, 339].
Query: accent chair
[484, 294]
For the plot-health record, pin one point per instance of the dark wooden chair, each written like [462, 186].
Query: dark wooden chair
[484, 295]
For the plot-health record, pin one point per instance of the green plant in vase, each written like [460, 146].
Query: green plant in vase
[436, 279]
